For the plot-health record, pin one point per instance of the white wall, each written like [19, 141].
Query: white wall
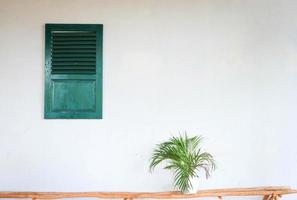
[226, 69]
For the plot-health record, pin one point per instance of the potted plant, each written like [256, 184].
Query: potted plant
[183, 155]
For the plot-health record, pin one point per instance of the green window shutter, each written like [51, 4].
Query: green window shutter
[73, 71]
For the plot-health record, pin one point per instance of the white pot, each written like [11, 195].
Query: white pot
[195, 184]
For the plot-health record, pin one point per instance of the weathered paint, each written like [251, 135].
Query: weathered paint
[76, 91]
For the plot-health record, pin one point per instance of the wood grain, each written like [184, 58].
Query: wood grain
[253, 191]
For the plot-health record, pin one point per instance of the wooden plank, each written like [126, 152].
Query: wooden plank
[259, 191]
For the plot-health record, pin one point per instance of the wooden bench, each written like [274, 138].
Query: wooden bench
[268, 193]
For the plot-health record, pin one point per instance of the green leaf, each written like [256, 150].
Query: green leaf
[184, 157]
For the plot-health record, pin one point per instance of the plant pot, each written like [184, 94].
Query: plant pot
[195, 185]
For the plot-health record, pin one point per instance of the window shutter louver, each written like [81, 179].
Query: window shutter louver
[73, 85]
[74, 52]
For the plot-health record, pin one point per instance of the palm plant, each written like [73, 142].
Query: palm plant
[185, 158]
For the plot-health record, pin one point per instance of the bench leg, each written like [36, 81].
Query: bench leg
[272, 197]
[266, 197]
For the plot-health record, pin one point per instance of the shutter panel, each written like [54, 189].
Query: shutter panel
[73, 52]
[73, 75]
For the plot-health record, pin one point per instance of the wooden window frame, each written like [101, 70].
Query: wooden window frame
[48, 111]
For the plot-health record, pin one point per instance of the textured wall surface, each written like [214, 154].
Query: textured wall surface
[226, 69]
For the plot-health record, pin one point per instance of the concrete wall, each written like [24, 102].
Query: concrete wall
[225, 69]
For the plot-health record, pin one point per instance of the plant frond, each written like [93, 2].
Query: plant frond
[184, 157]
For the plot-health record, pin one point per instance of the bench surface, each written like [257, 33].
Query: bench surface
[269, 193]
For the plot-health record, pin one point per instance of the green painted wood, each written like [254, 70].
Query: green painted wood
[73, 71]
[67, 96]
